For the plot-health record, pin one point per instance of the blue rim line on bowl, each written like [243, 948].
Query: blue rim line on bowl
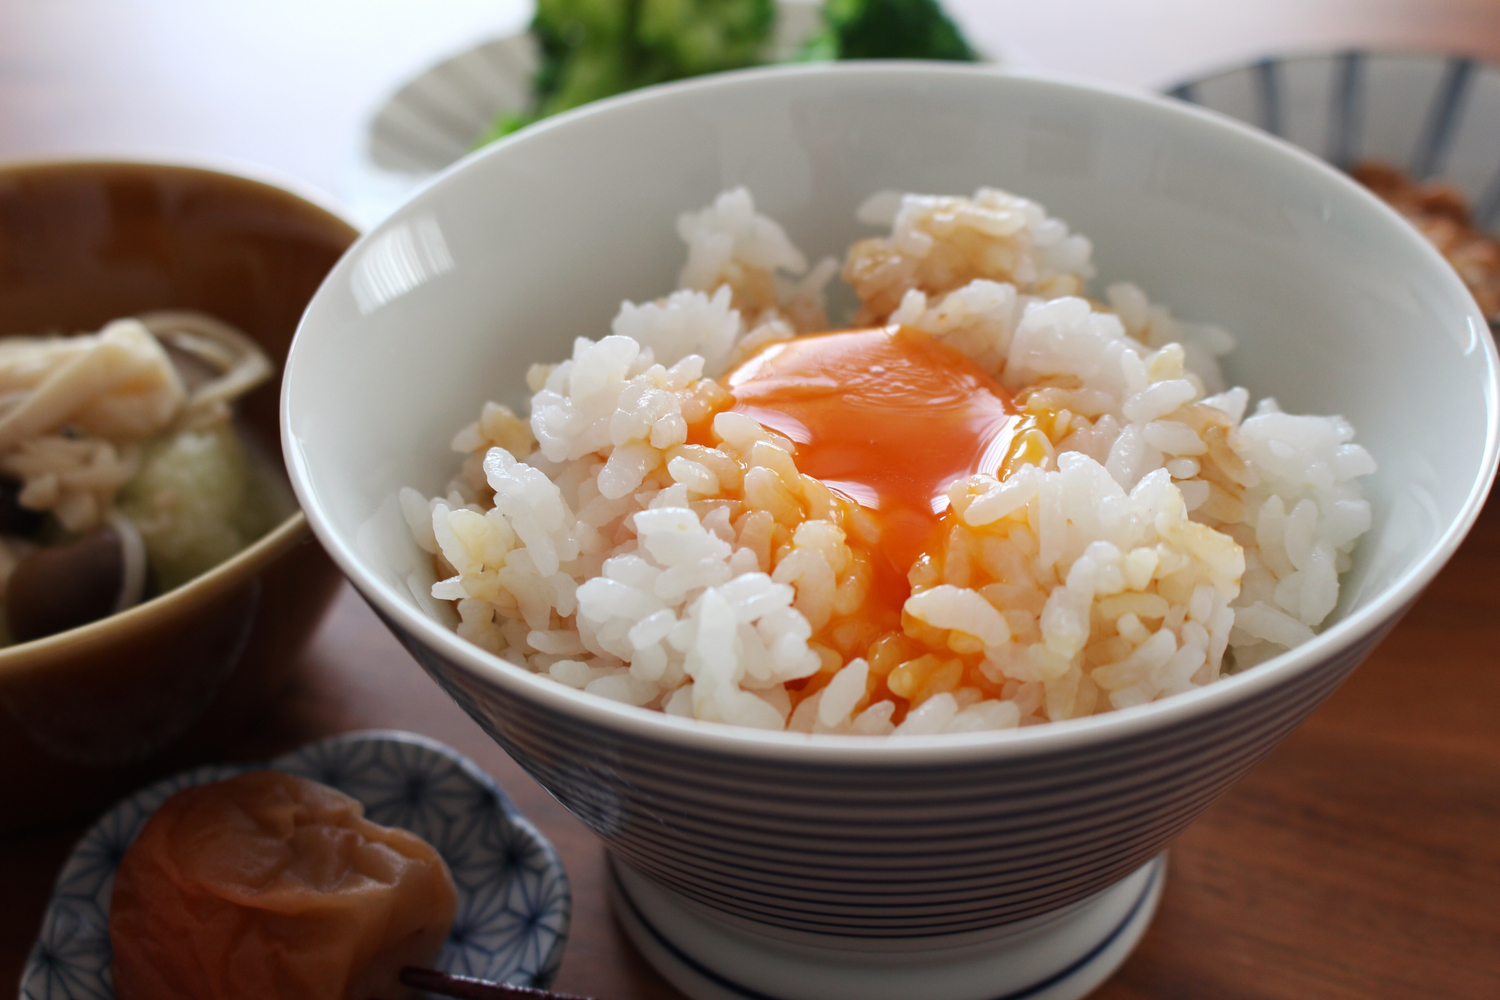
[1092, 964]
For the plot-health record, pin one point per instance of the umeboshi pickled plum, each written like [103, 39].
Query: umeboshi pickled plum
[270, 885]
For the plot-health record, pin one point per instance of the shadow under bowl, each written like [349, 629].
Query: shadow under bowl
[92, 712]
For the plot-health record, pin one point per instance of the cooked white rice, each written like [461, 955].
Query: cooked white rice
[1160, 536]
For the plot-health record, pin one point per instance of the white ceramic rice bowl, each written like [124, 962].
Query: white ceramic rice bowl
[1338, 305]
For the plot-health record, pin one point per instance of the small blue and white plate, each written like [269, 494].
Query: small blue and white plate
[513, 900]
[1433, 115]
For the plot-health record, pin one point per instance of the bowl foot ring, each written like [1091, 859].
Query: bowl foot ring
[1061, 956]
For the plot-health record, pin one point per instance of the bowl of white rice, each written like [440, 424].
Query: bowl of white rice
[888, 503]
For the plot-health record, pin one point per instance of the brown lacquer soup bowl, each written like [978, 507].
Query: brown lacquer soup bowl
[89, 712]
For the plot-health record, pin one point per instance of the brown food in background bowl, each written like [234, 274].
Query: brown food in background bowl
[1440, 211]
[88, 713]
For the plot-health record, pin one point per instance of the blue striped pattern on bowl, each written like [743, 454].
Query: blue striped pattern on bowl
[1432, 115]
[980, 840]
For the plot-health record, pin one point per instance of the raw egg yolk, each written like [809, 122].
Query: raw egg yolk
[888, 418]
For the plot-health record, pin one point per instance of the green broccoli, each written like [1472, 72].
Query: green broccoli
[694, 37]
[887, 29]
[592, 49]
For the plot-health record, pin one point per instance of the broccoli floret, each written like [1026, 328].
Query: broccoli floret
[705, 36]
[887, 29]
[587, 49]
[592, 49]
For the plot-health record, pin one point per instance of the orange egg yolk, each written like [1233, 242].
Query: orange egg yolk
[888, 418]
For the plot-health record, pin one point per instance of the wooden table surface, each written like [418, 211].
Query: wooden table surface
[1362, 859]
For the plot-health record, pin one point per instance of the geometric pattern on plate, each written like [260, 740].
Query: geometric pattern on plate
[513, 900]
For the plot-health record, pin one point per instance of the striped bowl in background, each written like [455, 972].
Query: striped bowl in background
[1431, 115]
